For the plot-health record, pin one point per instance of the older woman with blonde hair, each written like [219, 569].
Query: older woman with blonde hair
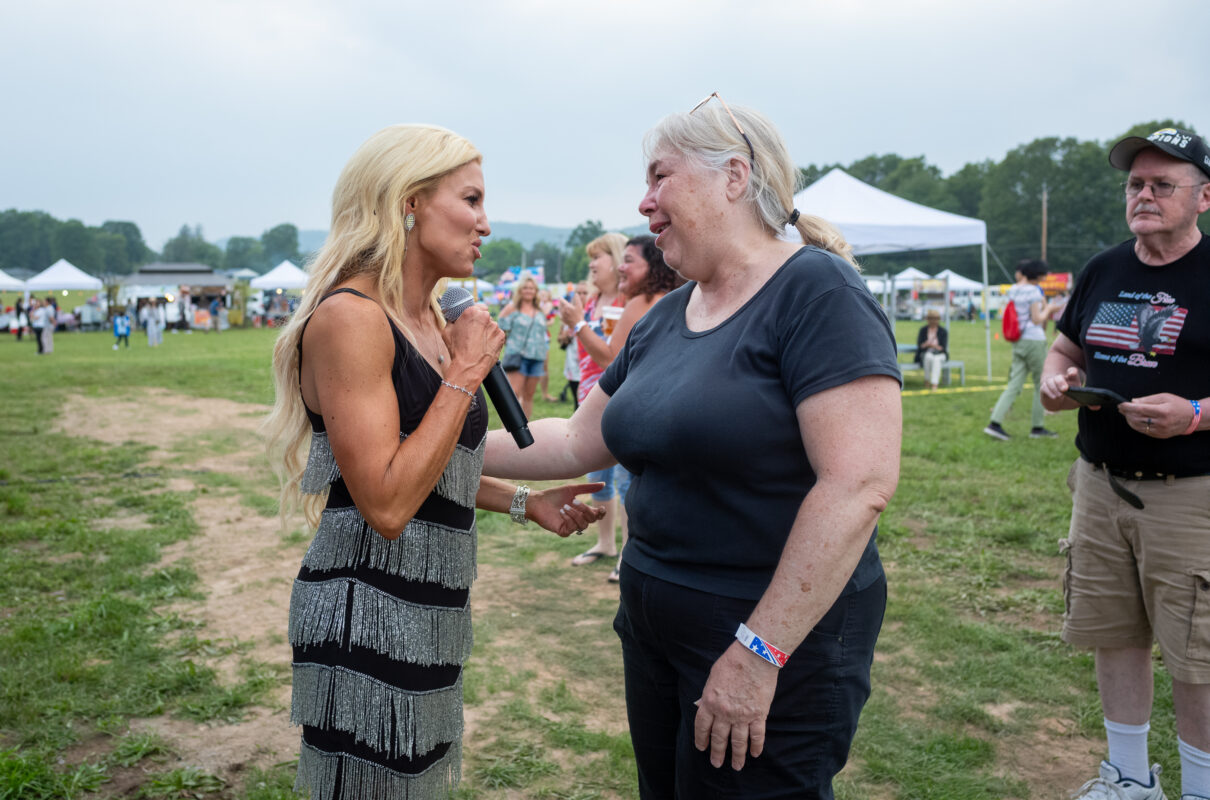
[758, 408]
[383, 401]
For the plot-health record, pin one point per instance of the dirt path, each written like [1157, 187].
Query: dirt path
[246, 568]
[241, 560]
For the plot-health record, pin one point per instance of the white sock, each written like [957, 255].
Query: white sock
[1195, 769]
[1128, 750]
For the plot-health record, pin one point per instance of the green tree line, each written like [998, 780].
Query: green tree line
[275, 245]
[33, 240]
[1085, 203]
[566, 262]
[1085, 214]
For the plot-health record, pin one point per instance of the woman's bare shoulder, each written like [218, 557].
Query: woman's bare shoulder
[347, 323]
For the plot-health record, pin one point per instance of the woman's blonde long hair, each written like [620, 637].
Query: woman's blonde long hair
[367, 237]
[515, 300]
[708, 136]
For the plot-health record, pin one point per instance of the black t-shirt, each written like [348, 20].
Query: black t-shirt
[706, 422]
[1143, 330]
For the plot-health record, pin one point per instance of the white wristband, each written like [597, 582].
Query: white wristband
[579, 325]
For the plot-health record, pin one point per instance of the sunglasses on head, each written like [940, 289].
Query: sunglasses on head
[740, 128]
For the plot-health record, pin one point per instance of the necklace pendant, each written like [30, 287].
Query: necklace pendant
[440, 359]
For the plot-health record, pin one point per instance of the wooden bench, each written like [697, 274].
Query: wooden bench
[950, 364]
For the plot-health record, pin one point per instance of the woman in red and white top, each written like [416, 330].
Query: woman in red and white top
[605, 253]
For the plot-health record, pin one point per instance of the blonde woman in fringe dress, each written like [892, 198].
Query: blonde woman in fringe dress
[384, 400]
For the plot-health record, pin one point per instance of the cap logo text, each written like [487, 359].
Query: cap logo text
[1170, 136]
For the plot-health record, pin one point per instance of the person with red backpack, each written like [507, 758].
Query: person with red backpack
[1024, 315]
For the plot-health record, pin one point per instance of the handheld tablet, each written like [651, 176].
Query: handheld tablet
[1091, 396]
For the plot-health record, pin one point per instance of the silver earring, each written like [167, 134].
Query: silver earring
[409, 221]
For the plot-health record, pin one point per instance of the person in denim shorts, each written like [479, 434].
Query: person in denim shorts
[525, 324]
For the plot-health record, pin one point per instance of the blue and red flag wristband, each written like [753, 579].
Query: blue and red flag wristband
[759, 646]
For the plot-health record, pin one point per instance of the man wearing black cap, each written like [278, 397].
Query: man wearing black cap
[1138, 551]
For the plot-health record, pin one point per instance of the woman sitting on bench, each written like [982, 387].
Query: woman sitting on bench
[931, 344]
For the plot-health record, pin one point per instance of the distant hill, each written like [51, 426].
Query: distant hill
[310, 241]
[524, 232]
[529, 235]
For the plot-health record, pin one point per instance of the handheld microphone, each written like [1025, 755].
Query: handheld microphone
[504, 399]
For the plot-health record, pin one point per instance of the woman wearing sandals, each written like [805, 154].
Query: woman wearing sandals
[527, 344]
[587, 325]
[768, 394]
[643, 278]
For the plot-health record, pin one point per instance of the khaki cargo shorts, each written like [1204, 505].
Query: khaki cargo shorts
[1137, 575]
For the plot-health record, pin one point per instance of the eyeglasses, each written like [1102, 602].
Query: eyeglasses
[738, 127]
[1159, 188]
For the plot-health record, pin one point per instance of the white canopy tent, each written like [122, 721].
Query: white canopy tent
[10, 284]
[898, 282]
[62, 275]
[284, 276]
[874, 221]
[910, 274]
[957, 283]
[476, 286]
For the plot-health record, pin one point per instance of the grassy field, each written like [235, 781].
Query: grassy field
[975, 696]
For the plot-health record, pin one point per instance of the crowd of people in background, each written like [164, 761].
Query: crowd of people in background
[40, 319]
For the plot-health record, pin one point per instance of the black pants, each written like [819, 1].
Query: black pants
[37, 332]
[671, 637]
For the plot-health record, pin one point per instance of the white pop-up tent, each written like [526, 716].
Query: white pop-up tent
[284, 276]
[10, 284]
[958, 283]
[476, 286]
[62, 275]
[910, 274]
[874, 221]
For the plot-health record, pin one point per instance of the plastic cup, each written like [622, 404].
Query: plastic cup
[609, 318]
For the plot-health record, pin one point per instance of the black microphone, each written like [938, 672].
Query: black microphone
[504, 399]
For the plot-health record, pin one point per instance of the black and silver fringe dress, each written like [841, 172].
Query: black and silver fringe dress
[380, 628]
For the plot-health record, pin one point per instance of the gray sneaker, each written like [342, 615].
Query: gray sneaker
[1041, 433]
[1112, 786]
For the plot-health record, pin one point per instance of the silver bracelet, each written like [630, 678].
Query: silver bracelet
[467, 392]
[516, 509]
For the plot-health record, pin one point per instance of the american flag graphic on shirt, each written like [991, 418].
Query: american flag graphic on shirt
[1137, 327]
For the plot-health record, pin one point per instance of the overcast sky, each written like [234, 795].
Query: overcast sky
[239, 115]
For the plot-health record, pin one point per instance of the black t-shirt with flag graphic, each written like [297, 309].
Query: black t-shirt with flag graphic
[1144, 330]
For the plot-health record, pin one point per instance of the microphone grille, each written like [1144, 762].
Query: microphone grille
[454, 302]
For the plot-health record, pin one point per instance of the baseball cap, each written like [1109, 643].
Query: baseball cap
[1185, 145]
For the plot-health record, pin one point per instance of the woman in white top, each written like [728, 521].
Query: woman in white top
[1029, 352]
